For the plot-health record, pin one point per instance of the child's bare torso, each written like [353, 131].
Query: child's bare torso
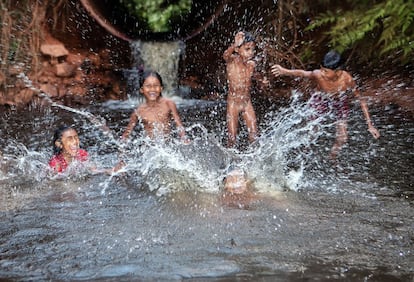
[239, 76]
[156, 120]
[334, 83]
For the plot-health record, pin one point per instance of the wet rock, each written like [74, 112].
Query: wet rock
[15, 69]
[75, 59]
[65, 70]
[55, 51]
[25, 96]
[2, 78]
[76, 90]
[50, 90]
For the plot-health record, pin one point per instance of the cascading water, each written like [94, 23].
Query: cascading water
[162, 57]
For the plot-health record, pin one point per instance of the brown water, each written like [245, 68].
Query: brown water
[165, 217]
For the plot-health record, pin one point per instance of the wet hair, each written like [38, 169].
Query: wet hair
[147, 74]
[331, 60]
[248, 37]
[58, 136]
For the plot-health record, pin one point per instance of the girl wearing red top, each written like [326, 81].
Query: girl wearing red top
[66, 149]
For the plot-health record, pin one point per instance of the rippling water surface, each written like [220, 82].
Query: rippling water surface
[165, 217]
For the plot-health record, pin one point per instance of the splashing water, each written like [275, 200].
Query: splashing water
[288, 147]
[170, 166]
[275, 162]
[115, 227]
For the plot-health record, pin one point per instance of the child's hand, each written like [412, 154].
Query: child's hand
[375, 133]
[238, 39]
[277, 70]
[119, 166]
[185, 140]
[265, 82]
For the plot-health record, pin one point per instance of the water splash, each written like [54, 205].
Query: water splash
[276, 161]
[288, 148]
[170, 166]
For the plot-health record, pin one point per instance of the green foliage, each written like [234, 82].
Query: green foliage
[386, 25]
[157, 13]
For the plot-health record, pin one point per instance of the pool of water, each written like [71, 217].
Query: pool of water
[165, 217]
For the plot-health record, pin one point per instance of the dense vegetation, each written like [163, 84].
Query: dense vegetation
[157, 14]
[378, 29]
[374, 31]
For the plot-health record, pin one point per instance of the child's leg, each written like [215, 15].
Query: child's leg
[232, 123]
[249, 117]
[341, 138]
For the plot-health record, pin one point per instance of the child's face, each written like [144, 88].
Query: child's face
[247, 50]
[69, 143]
[151, 88]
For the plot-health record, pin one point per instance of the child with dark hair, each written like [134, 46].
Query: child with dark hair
[335, 85]
[240, 68]
[157, 112]
[66, 149]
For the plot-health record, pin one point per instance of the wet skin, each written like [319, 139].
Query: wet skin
[69, 143]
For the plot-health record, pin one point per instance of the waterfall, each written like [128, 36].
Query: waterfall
[162, 57]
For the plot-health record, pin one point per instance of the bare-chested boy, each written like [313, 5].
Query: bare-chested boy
[337, 85]
[240, 68]
[157, 112]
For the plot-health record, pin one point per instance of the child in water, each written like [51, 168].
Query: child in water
[336, 86]
[66, 151]
[157, 112]
[240, 68]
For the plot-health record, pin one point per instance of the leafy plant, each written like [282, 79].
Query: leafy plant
[157, 13]
[386, 25]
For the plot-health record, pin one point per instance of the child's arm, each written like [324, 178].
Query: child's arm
[278, 70]
[261, 78]
[351, 84]
[177, 119]
[375, 133]
[238, 40]
[229, 52]
[132, 122]
[108, 171]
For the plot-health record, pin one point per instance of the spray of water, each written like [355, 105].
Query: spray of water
[166, 166]
[275, 162]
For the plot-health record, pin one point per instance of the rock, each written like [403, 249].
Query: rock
[15, 69]
[75, 59]
[54, 50]
[65, 69]
[50, 90]
[2, 79]
[25, 96]
[76, 91]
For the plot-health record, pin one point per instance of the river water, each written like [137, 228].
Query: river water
[165, 217]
